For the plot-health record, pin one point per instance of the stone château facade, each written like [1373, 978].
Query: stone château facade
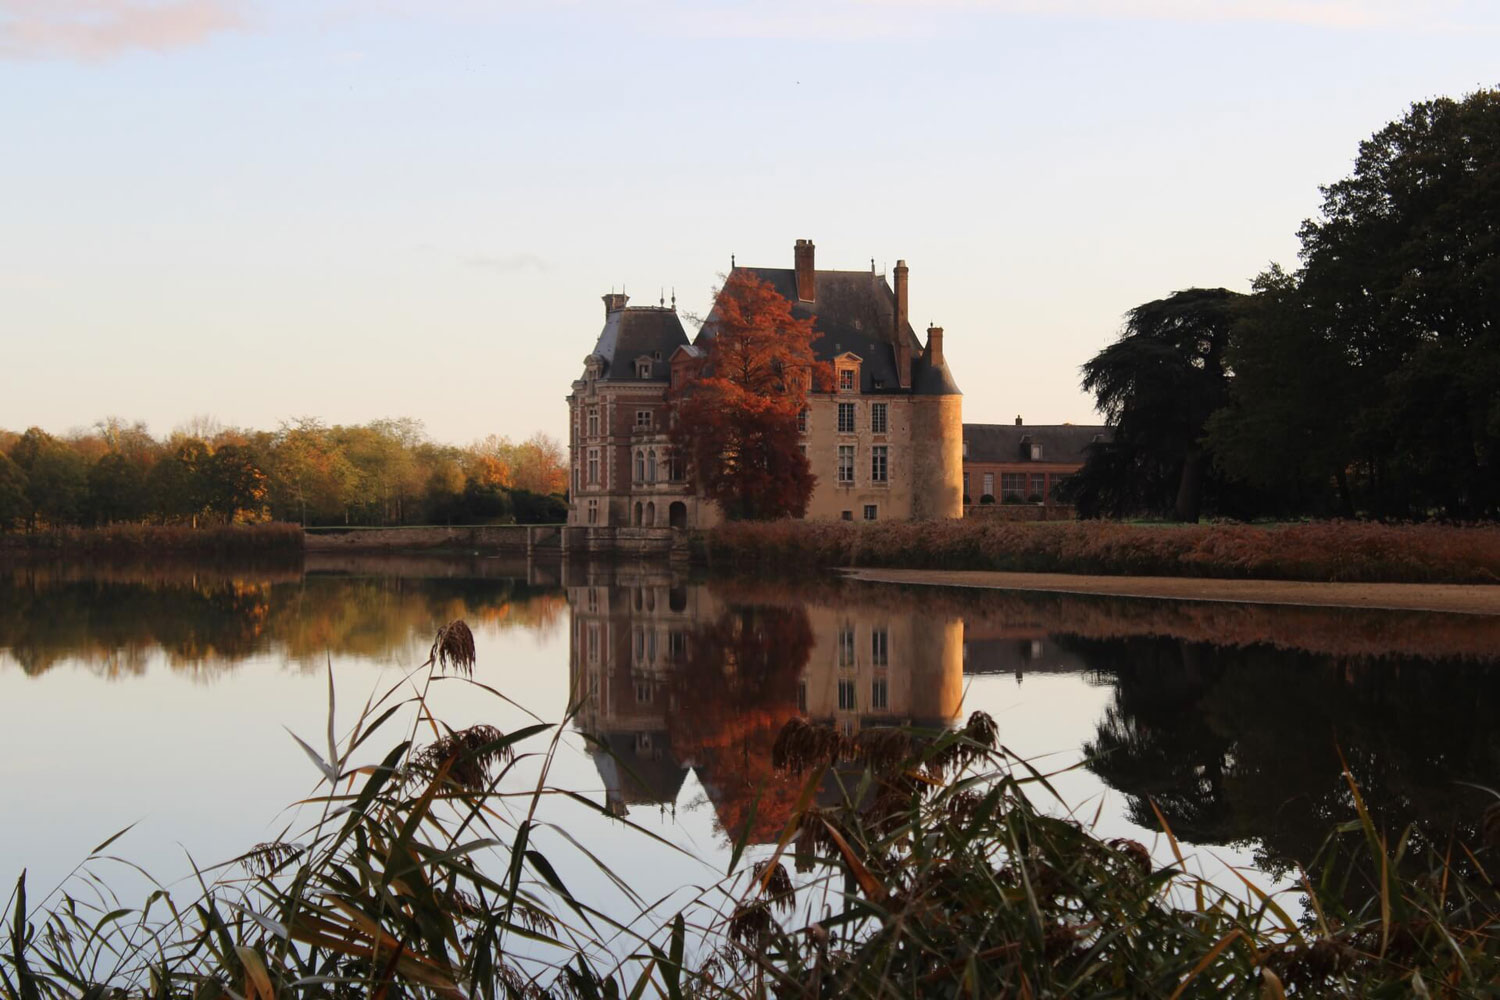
[885, 443]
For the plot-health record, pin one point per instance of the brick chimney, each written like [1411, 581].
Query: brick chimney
[614, 302]
[807, 286]
[934, 345]
[901, 300]
[1018, 420]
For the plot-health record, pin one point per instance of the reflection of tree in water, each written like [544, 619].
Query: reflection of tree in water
[735, 690]
[209, 622]
[1241, 744]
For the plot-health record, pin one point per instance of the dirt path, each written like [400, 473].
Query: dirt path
[1459, 598]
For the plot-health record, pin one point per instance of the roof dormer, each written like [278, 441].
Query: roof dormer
[846, 372]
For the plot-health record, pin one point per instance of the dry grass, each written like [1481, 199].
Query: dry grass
[1331, 551]
[273, 539]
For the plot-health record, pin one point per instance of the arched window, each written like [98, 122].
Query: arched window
[640, 467]
[651, 466]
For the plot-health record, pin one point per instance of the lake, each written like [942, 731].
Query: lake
[162, 697]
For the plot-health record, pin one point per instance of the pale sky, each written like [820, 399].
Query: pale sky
[258, 210]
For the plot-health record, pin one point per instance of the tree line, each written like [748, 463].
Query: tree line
[1364, 383]
[386, 472]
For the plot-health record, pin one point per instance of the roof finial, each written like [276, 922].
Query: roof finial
[661, 297]
[731, 261]
[872, 265]
[674, 298]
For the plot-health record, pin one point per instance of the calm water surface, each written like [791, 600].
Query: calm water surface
[163, 696]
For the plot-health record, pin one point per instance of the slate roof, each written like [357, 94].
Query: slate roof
[855, 311]
[637, 331]
[632, 779]
[1012, 443]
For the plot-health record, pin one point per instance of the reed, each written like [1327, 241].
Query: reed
[925, 868]
[1333, 551]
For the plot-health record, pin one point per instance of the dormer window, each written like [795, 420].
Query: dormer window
[643, 369]
[846, 380]
[1036, 453]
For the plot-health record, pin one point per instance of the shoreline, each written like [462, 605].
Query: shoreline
[1447, 598]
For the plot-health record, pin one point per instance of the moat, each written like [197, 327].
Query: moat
[158, 696]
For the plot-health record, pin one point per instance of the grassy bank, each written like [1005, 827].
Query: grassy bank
[1332, 551]
[131, 540]
[924, 868]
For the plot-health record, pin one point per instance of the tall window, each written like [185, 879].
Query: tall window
[880, 647]
[593, 423]
[643, 369]
[846, 646]
[1012, 484]
[871, 512]
[846, 380]
[1038, 484]
[989, 483]
[846, 696]
[880, 697]
[802, 421]
[846, 418]
[640, 467]
[878, 465]
[877, 418]
[594, 465]
[846, 463]
[593, 512]
[651, 466]
[1036, 453]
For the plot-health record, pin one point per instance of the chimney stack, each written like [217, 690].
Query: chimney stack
[807, 288]
[1018, 420]
[934, 345]
[901, 300]
[614, 302]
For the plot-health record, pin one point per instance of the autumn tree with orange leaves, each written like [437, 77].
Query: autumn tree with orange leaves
[736, 414]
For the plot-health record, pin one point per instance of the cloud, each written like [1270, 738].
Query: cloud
[509, 264]
[92, 30]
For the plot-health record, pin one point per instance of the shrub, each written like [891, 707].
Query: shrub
[987, 498]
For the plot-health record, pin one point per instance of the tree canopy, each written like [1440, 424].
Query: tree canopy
[386, 472]
[735, 417]
[1157, 385]
[1377, 365]
[1366, 382]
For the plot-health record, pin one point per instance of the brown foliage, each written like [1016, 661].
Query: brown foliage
[735, 419]
[1332, 551]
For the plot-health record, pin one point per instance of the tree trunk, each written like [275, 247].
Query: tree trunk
[1190, 487]
[1346, 499]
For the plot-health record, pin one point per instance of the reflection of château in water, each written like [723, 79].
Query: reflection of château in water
[1018, 650]
[675, 677]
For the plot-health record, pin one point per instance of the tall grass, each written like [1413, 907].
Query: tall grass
[923, 868]
[275, 539]
[1335, 551]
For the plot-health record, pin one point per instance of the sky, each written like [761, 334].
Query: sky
[257, 210]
